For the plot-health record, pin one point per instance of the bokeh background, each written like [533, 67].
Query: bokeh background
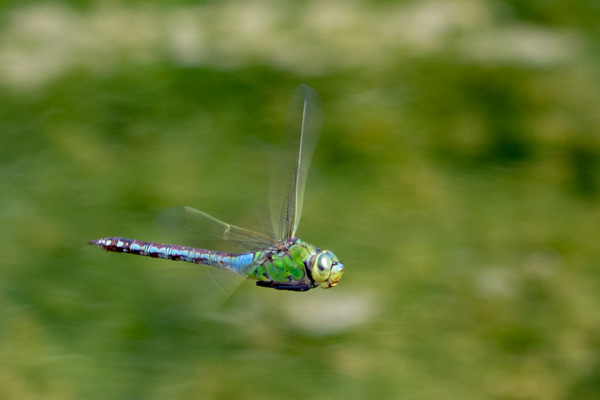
[457, 177]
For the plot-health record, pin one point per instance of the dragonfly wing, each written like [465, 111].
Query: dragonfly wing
[191, 227]
[289, 168]
[199, 229]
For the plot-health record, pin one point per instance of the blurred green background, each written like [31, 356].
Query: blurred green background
[457, 178]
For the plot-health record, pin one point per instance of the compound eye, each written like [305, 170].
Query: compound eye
[322, 267]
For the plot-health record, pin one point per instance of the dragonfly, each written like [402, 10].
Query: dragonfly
[274, 258]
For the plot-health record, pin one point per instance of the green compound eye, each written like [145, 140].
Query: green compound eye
[327, 269]
[322, 267]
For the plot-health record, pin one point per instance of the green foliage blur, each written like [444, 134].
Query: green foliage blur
[457, 177]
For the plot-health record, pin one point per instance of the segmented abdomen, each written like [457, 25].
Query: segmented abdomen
[238, 263]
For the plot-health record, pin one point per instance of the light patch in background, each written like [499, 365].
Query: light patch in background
[322, 314]
[318, 313]
[41, 42]
[522, 44]
[507, 282]
[498, 282]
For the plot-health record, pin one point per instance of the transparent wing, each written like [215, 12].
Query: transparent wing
[289, 168]
[196, 228]
[190, 227]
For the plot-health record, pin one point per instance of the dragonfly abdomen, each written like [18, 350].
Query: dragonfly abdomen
[237, 263]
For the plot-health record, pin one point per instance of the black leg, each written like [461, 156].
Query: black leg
[282, 286]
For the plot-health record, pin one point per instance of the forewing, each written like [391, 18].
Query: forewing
[198, 229]
[289, 167]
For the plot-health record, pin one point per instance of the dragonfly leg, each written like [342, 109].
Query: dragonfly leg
[283, 286]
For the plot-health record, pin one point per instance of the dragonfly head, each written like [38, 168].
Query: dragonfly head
[327, 270]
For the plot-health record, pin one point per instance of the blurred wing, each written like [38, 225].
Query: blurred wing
[195, 228]
[189, 227]
[289, 168]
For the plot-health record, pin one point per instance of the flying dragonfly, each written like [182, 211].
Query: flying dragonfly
[275, 259]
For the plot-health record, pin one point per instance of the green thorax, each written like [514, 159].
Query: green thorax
[286, 265]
